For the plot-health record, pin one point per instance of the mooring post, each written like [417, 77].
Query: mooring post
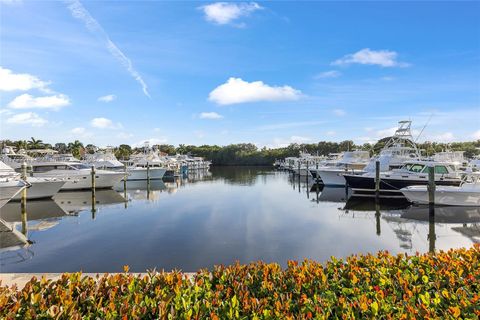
[125, 176]
[308, 173]
[377, 217]
[377, 179]
[23, 203]
[93, 191]
[148, 172]
[431, 185]
[432, 237]
[24, 171]
[299, 169]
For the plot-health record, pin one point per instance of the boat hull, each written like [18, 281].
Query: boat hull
[448, 196]
[41, 189]
[141, 173]
[332, 177]
[362, 185]
[82, 179]
[9, 189]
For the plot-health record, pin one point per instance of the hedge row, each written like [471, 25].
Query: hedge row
[444, 285]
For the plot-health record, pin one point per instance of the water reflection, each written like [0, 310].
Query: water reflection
[74, 202]
[202, 219]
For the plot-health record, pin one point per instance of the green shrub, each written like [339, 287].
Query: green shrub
[444, 285]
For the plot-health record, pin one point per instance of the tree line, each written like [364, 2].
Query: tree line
[244, 153]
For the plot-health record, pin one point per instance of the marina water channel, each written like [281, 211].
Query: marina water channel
[228, 214]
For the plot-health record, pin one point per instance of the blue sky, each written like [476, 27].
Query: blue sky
[271, 73]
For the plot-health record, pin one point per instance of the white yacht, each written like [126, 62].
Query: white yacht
[9, 188]
[146, 165]
[350, 161]
[104, 160]
[467, 194]
[304, 164]
[40, 188]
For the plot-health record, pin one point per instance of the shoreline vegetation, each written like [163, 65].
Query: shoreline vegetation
[244, 154]
[382, 286]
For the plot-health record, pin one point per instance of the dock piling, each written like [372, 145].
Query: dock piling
[377, 179]
[431, 185]
[93, 192]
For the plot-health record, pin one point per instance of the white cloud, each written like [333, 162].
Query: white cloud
[78, 11]
[210, 115]
[330, 133]
[386, 132]
[10, 81]
[225, 12]
[235, 90]
[27, 118]
[26, 101]
[282, 143]
[384, 58]
[476, 135]
[104, 123]
[442, 137]
[107, 98]
[339, 112]
[78, 130]
[328, 74]
[125, 135]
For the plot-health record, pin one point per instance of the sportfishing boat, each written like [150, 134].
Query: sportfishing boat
[465, 195]
[411, 174]
[105, 160]
[40, 188]
[145, 165]
[350, 161]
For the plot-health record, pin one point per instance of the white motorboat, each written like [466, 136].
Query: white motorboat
[146, 165]
[76, 175]
[9, 188]
[466, 195]
[40, 188]
[350, 161]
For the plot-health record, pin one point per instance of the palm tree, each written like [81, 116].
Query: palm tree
[35, 144]
[75, 148]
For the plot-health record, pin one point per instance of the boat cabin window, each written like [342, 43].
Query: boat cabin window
[415, 167]
[441, 170]
[43, 168]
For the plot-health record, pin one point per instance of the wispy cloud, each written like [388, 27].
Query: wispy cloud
[210, 115]
[225, 13]
[339, 112]
[107, 98]
[384, 58]
[236, 90]
[26, 101]
[328, 74]
[30, 118]
[79, 12]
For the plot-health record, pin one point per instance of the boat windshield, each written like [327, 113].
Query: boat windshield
[79, 166]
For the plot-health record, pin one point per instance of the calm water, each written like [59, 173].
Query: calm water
[230, 214]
